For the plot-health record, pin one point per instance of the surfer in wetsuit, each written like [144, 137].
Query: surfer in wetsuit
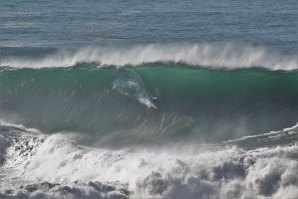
[154, 101]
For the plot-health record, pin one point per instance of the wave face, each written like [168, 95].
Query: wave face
[210, 55]
[150, 103]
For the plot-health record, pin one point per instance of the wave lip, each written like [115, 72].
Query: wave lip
[210, 55]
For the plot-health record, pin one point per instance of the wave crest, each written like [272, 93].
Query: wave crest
[210, 55]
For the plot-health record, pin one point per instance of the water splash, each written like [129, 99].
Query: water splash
[128, 83]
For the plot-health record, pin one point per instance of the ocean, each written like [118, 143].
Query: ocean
[149, 99]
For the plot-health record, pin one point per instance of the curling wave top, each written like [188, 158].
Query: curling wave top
[209, 55]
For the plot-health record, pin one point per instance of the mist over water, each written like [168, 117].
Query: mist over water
[61, 168]
[209, 55]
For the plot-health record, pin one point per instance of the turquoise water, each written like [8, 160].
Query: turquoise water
[213, 105]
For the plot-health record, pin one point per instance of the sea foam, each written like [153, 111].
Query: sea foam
[59, 167]
[209, 55]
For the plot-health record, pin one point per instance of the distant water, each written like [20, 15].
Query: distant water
[125, 99]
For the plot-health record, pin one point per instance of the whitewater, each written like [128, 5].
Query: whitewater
[55, 166]
[165, 100]
[210, 55]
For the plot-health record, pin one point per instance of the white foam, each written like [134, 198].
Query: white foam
[227, 55]
[172, 173]
[183, 171]
[287, 135]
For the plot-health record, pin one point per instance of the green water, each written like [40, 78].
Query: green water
[193, 103]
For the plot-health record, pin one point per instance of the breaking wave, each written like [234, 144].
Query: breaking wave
[210, 55]
[163, 129]
[153, 103]
[56, 166]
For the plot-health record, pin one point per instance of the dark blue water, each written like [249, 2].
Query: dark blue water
[28, 25]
